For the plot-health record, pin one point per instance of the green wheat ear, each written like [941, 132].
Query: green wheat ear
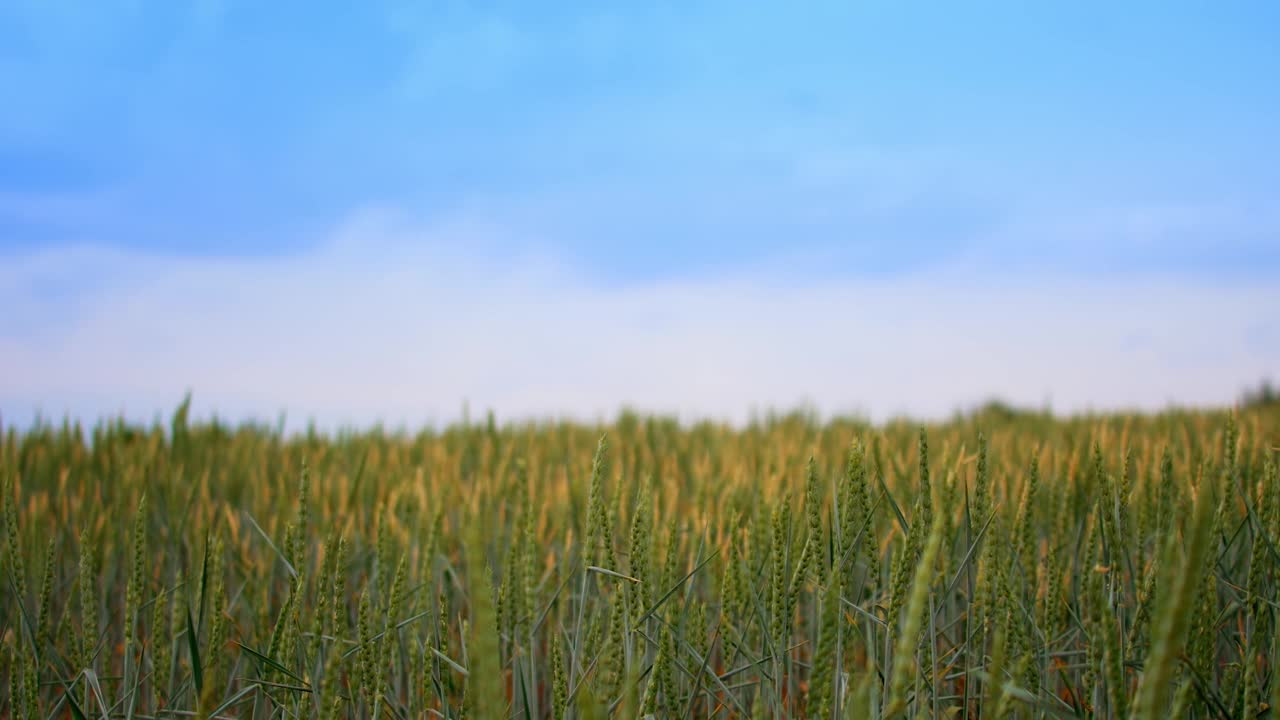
[161, 648]
[368, 651]
[824, 681]
[858, 517]
[641, 550]
[560, 681]
[321, 612]
[904, 651]
[1173, 617]
[88, 604]
[44, 620]
[133, 594]
[1025, 535]
[981, 484]
[599, 538]
[218, 613]
[395, 610]
[13, 548]
[778, 551]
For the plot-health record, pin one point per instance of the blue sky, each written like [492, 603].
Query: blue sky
[836, 151]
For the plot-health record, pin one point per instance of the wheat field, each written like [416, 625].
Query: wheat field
[1002, 564]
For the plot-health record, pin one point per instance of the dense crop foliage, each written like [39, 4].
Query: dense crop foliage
[1000, 565]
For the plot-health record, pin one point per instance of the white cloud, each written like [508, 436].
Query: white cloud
[396, 321]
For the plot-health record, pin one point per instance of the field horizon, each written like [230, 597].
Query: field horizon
[1259, 394]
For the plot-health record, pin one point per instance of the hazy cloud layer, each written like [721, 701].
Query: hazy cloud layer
[402, 322]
